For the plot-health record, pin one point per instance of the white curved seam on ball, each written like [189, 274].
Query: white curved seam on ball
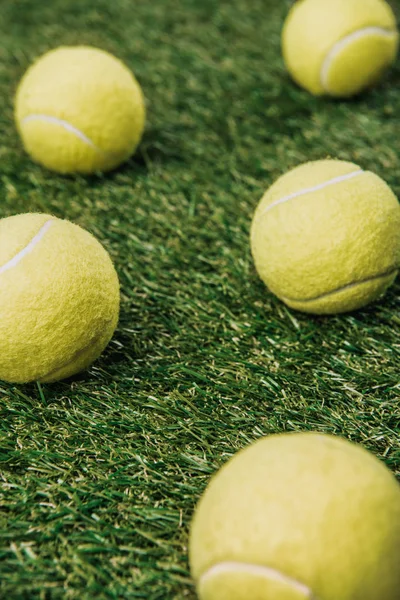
[28, 248]
[310, 190]
[344, 287]
[71, 360]
[257, 570]
[62, 123]
[76, 354]
[341, 44]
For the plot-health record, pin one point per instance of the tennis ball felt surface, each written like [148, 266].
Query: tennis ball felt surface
[296, 517]
[325, 237]
[59, 298]
[339, 47]
[79, 110]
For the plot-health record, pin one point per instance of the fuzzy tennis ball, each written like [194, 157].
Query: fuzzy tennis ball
[79, 110]
[339, 47]
[325, 237]
[298, 517]
[59, 298]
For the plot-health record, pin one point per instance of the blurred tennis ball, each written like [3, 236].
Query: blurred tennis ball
[79, 110]
[298, 517]
[339, 47]
[325, 237]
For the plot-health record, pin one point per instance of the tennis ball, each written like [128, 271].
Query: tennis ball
[79, 110]
[325, 237]
[339, 47]
[59, 298]
[298, 517]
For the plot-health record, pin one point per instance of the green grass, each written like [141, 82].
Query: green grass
[99, 475]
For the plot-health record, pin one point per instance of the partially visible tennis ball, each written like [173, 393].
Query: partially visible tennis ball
[59, 298]
[339, 47]
[79, 110]
[325, 237]
[298, 517]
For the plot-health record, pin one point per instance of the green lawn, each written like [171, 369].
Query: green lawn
[99, 475]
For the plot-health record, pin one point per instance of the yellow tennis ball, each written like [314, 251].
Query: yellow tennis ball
[59, 298]
[79, 110]
[298, 517]
[339, 47]
[325, 237]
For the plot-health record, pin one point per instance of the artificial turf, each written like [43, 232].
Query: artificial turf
[99, 475]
